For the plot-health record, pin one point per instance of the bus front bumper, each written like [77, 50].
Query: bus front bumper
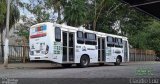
[32, 58]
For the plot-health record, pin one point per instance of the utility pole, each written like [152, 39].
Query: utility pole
[6, 48]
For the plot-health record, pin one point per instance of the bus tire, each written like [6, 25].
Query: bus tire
[66, 65]
[84, 61]
[118, 61]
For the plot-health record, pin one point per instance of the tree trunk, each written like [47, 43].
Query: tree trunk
[24, 49]
[9, 48]
[59, 16]
[3, 33]
[94, 25]
[94, 21]
[97, 14]
[2, 50]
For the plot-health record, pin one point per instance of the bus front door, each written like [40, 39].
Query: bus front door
[68, 46]
[101, 49]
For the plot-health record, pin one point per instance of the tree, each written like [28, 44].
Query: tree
[75, 13]
[57, 6]
[22, 29]
[14, 17]
[153, 38]
[14, 13]
[38, 9]
[106, 17]
[3, 12]
[135, 27]
[132, 23]
[97, 10]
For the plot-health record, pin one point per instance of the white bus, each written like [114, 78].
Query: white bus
[68, 45]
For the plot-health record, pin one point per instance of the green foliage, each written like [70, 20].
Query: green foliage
[22, 29]
[153, 38]
[57, 5]
[2, 11]
[23, 32]
[148, 38]
[38, 9]
[14, 13]
[95, 10]
[107, 18]
[75, 12]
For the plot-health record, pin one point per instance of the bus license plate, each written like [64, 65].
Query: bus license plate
[37, 57]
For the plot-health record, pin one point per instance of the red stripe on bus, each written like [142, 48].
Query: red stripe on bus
[38, 35]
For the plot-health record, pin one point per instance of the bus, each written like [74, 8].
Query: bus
[67, 45]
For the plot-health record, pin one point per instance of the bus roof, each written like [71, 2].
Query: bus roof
[41, 24]
[79, 29]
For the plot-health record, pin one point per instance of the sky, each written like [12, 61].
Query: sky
[24, 11]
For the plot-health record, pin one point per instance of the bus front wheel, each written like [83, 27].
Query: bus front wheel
[84, 61]
[118, 61]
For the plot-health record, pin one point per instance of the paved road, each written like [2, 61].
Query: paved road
[126, 70]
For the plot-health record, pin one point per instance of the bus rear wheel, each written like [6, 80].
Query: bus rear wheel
[84, 61]
[66, 65]
[118, 62]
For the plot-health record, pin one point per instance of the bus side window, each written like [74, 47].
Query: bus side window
[80, 37]
[90, 39]
[116, 42]
[57, 34]
[110, 41]
[120, 43]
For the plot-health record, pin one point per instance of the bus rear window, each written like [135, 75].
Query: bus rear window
[39, 31]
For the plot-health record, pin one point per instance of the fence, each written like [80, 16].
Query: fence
[17, 54]
[20, 54]
[142, 55]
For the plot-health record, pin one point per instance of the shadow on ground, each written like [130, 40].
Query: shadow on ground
[58, 66]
